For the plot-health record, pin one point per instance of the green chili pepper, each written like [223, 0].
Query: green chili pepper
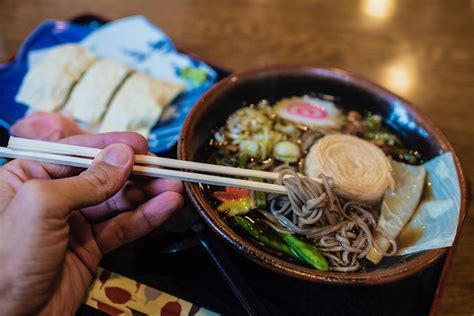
[266, 239]
[307, 252]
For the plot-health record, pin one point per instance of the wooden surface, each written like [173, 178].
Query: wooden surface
[422, 50]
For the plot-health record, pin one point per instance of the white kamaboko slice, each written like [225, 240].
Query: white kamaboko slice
[138, 104]
[398, 205]
[310, 111]
[90, 97]
[360, 169]
[47, 84]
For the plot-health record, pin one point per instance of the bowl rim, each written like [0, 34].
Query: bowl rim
[374, 277]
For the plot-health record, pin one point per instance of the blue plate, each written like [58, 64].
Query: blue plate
[50, 33]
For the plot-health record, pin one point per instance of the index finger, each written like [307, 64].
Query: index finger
[138, 143]
[134, 140]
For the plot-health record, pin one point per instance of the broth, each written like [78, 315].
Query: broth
[222, 150]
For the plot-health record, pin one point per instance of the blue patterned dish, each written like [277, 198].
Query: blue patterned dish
[132, 40]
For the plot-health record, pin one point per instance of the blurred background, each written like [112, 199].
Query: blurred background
[422, 50]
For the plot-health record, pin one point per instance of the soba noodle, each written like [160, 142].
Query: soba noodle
[342, 231]
[334, 221]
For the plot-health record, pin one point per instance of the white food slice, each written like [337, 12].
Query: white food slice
[91, 95]
[138, 104]
[398, 205]
[360, 169]
[46, 86]
[309, 111]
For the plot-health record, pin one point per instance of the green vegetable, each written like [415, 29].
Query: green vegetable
[268, 240]
[405, 155]
[388, 141]
[196, 75]
[287, 151]
[410, 158]
[266, 138]
[307, 252]
[259, 196]
[249, 148]
[373, 121]
[387, 138]
[288, 129]
[260, 200]
[243, 161]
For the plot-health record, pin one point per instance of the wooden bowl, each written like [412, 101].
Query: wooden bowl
[274, 83]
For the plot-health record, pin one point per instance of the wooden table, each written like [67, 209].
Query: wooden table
[422, 50]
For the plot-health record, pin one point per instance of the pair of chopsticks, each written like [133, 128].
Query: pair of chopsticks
[78, 156]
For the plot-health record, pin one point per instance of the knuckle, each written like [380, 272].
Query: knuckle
[120, 233]
[113, 204]
[99, 179]
[147, 221]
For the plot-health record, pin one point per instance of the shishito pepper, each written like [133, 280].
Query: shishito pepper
[266, 239]
[292, 246]
[307, 252]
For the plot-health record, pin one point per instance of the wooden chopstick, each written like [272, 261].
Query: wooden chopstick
[24, 144]
[146, 171]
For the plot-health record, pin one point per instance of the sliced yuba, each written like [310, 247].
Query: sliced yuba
[360, 169]
[398, 205]
[90, 97]
[138, 104]
[47, 85]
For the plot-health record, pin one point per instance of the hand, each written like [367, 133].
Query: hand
[46, 126]
[56, 223]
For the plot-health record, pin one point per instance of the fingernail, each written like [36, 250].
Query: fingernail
[117, 155]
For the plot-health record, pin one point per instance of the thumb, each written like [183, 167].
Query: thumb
[108, 173]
